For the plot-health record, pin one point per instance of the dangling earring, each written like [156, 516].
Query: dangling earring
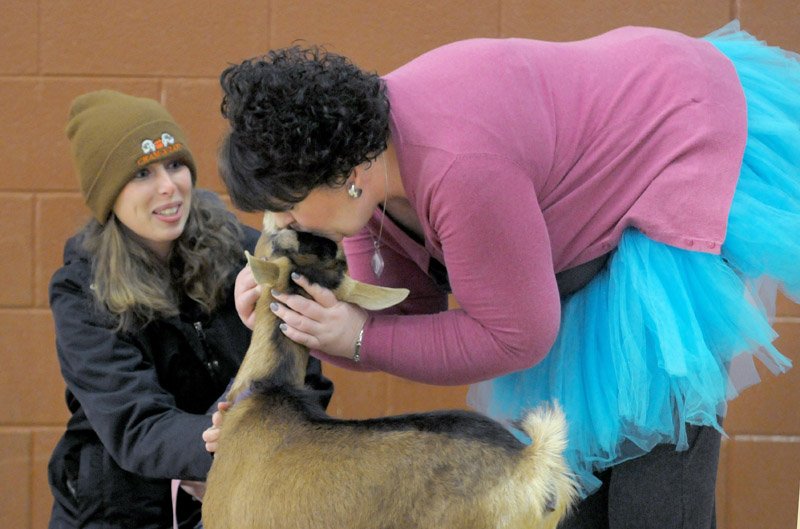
[377, 258]
[354, 191]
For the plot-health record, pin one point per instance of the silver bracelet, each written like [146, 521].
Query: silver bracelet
[357, 349]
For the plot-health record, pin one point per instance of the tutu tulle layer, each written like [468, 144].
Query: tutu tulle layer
[664, 337]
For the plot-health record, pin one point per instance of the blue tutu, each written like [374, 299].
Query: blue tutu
[663, 337]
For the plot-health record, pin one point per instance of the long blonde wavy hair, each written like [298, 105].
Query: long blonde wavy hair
[136, 286]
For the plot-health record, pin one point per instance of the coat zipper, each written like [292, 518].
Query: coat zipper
[212, 364]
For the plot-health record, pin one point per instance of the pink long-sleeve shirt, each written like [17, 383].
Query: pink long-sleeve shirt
[523, 158]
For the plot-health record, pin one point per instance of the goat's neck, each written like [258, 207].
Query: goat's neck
[271, 355]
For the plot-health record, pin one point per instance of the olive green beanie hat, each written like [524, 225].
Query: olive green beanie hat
[112, 136]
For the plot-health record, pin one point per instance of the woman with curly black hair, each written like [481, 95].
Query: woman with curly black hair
[598, 209]
[304, 135]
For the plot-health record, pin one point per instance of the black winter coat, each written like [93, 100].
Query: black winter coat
[139, 403]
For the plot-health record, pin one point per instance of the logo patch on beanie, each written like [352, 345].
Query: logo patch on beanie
[158, 148]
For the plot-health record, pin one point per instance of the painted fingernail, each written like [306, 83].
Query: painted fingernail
[296, 276]
[274, 293]
[273, 307]
[283, 327]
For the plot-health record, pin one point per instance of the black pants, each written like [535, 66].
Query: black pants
[665, 489]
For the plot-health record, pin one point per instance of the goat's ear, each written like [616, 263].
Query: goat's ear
[370, 297]
[265, 272]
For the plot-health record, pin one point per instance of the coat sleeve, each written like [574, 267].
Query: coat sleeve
[496, 247]
[136, 420]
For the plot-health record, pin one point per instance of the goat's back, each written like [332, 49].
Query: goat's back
[288, 465]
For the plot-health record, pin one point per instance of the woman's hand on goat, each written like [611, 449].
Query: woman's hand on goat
[246, 292]
[323, 323]
[211, 435]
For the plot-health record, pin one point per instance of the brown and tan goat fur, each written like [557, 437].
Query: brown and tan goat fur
[283, 463]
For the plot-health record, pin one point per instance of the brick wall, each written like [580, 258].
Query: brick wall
[54, 50]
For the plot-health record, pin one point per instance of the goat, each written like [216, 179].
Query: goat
[282, 462]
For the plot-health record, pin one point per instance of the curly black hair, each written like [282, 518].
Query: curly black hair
[300, 118]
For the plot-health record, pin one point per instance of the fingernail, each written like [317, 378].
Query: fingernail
[283, 327]
[274, 293]
[273, 307]
[296, 276]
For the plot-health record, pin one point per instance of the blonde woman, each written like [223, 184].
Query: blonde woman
[146, 329]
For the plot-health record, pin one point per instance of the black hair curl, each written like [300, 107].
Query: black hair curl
[300, 118]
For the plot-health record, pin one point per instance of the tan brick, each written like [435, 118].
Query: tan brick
[32, 121]
[561, 20]
[787, 307]
[357, 395]
[58, 217]
[18, 37]
[405, 396]
[381, 35]
[365, 395]
[181, 38]
[44, 440]
[770, 408]
[30, 377]
[195, 106]
[25, 140]
[15, 477]
[762, 482]
[16, 246]
[775, 22]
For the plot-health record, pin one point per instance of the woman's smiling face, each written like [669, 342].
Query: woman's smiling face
[154, 204]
